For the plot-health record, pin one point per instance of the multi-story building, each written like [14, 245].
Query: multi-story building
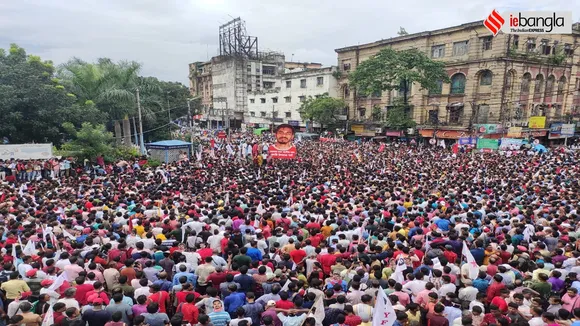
[200, 82]
[280, 99]
[501, 81]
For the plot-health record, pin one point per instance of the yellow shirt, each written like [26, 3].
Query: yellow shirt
[13, 288]
[140, 229]
[161, 236]
[326, 230]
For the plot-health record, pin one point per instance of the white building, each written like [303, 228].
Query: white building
[279, 100]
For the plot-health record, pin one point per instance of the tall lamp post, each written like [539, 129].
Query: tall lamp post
[227, 111]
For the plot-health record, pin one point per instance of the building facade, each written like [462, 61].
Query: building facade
[257, 92]
[281, 102]
[501, 81]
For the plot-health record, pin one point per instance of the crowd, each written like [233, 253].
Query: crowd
[218, 241]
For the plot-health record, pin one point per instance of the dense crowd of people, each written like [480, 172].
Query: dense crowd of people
[216, 241]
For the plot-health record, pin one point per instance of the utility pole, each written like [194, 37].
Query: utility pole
[142, 143]
[272, 125]
[168, 113]
[190, 126]
[228, 121]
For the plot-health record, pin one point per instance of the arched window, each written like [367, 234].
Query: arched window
[538, 87]
[561, 87]
[458, 84]
[526, 80]
[485, 78]
[550, 85]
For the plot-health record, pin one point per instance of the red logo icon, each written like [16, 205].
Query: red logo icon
[494, 22]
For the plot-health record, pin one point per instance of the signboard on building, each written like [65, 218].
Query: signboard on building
[467, 141]
[394, 133]
[445, 134]
[511, 143]
[537, 123]
[358, 129]
[26, 152]
[488, 128]
[485, 143]
[514, 132]
[294, 123]
[568, 129]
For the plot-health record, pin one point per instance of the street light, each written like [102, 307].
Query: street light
[227, 121]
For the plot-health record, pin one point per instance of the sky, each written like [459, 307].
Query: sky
[166, 35]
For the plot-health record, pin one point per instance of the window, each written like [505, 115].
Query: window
[460, 48]
[249, 68]
[346, 65]
[550, 85]
[268, 85]
[486, 42]
[545, 48]
[455, 114]
[274, 100]
[346, 91]
[568, 49]
[263, 114]
[438, 51]
[302, 83]
[438, 89]
[287, 99]
[485, 78]
[274, 114]
[526, 80]
[288, 115]
[262, 100]
[458, 84]
[362, 113]
[302, 98]
[288, 84]
[268, 70]
[252, 101]
[319, 81]
[531, 44]
[482, 113]
[257, 70]
[252, 114]
[538, 87]
[249, 87]
[434, 116]
[516, 41]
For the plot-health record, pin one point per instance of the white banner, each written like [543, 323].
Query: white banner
[26, 152]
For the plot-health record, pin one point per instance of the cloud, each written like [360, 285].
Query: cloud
[167, 35]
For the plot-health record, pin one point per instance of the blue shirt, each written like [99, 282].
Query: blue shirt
[220, 318]
[191, 278]
[478, 255]
[246, 282]
[443, 224]
[254, 253]
[233, 301]
[481, 284]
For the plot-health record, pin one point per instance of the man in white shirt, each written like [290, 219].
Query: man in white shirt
[447, 286]
[468, 293]
[414, 286]
[24, 267]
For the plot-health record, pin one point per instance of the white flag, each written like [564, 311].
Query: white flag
[58, 282]
[49, 317]
[528, 233]
[68, 235]
[399, 269]
[183, 232]
[318, 313]
[30, 248]
[227, 199]
[383, 313]
[198, 155]
[14, 255]
[259, 175]
[285, 287]
[229, 149]
[473, 268]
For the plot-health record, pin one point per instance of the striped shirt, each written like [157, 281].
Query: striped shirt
[220, 318]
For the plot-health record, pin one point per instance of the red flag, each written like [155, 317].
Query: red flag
[455, 148]
[382, 148]
[212, 143]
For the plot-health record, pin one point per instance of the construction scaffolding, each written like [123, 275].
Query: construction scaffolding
[235, 42]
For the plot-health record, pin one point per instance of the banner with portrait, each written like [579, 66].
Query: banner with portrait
[284, 147]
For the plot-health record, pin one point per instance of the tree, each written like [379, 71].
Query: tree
[89, 141]
[402, 31]
[391, 69]
[322, 109]
[398, 117]
[33, 104]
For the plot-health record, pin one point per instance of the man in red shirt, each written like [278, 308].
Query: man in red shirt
[327, 260]
[161, 297]
[297, 254]
[500, 302]
[189, 310]
[82, 290]
[284, 303]
[494, 289]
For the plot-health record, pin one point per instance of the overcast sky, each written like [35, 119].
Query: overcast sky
[166, 35]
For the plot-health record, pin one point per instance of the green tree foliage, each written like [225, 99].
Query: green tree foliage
[397, 70]
[398, 116]
[33, 104]
[89, 141]
[322, 109]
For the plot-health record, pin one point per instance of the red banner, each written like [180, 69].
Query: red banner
[284, 154]
[381, 148]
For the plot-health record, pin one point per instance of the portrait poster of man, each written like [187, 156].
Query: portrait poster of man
[284, 147]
